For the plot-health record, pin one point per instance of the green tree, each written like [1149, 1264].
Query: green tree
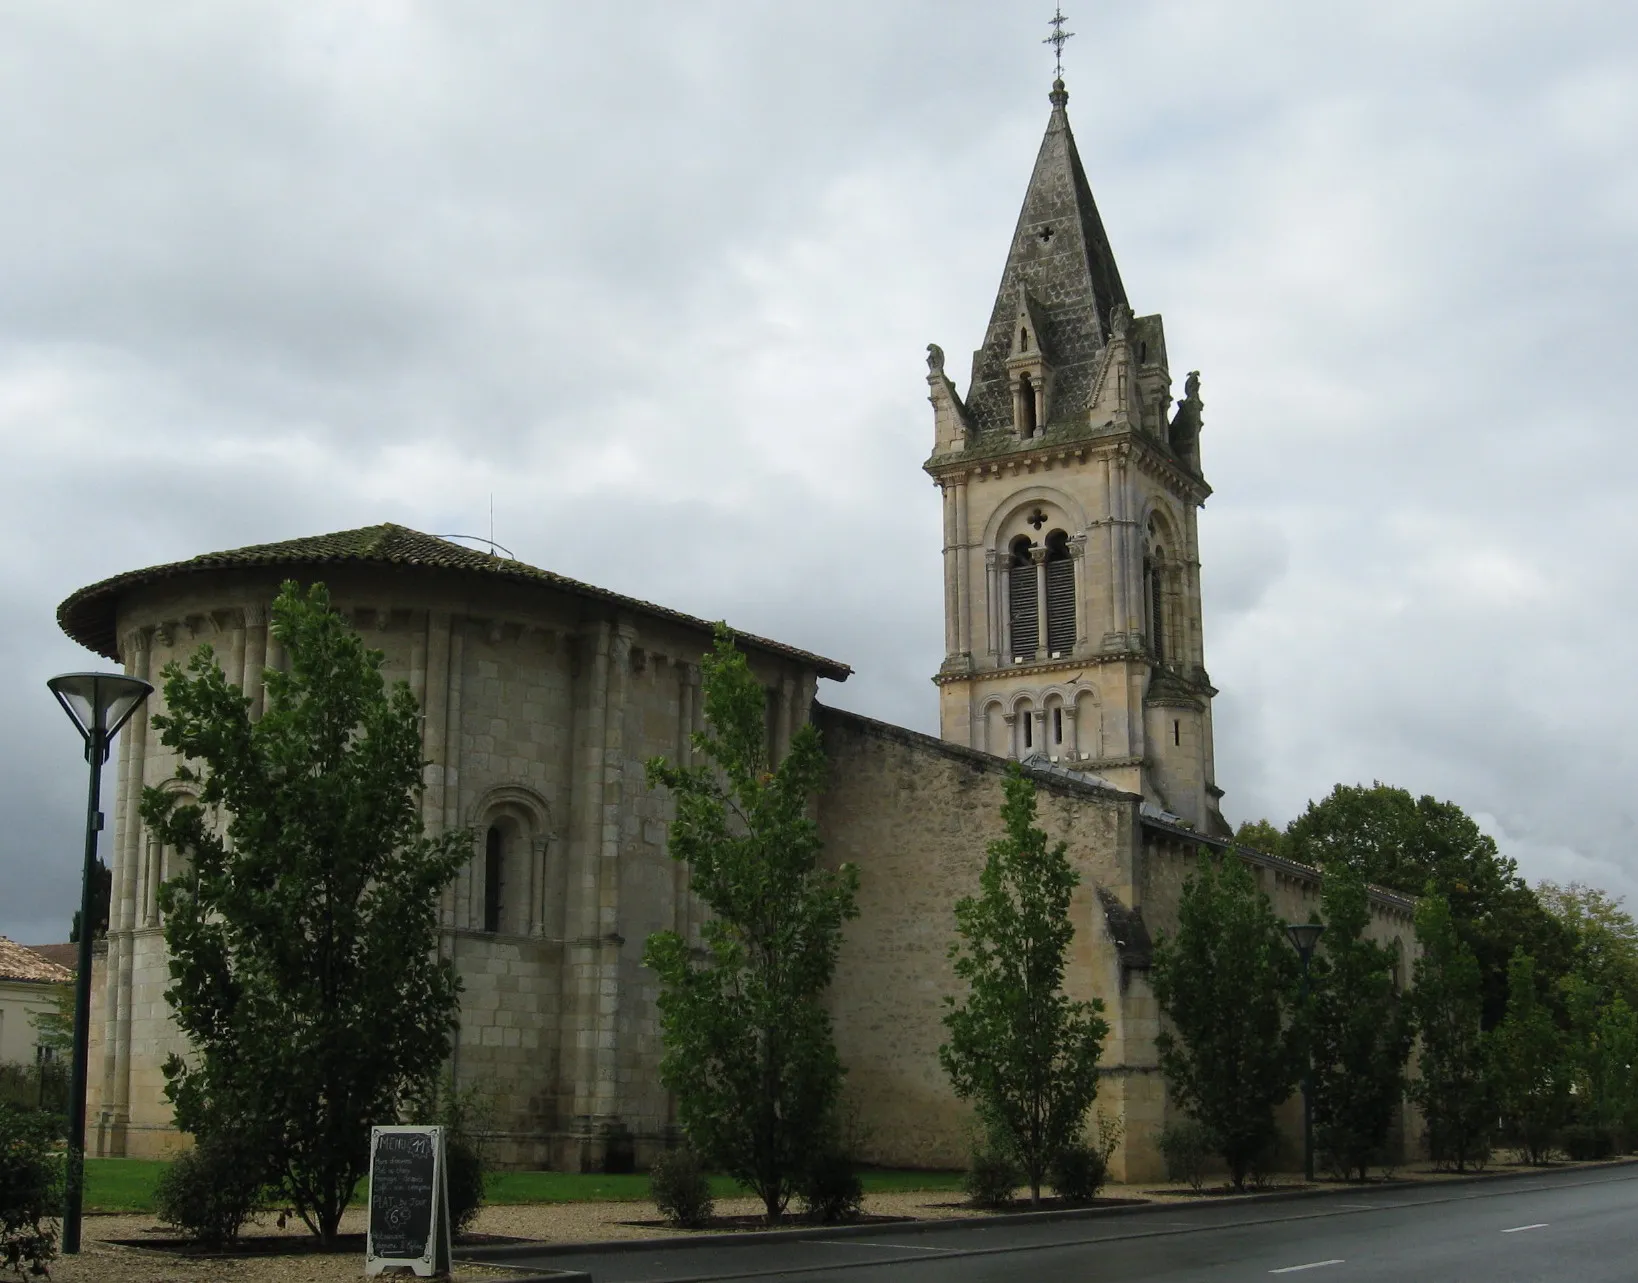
[1451, 1087]
[303, 930]
[1405, 844]
[1602, 1051]
[1226, 981]
[1360, 1031]
[1605, 938]
[1019, 1048]
[1529, 1066]
[54, 1029]
[1258, 835]
[748, 1044]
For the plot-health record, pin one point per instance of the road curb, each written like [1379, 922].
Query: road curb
[717, 1239]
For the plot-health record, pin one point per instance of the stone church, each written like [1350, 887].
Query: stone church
[1070, 484]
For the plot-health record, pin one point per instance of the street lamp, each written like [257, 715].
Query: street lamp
[99, 704]
[1305, 939]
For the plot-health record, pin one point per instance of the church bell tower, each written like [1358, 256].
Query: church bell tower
[1070, 489]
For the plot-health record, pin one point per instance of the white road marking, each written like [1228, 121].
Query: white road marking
[897, 1247]
[1312, 1265]
[1519, 1229]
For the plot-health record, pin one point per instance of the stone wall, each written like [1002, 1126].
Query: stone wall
[915, 815]
[539, 710]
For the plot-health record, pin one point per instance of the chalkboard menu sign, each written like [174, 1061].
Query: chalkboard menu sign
[409, 1201]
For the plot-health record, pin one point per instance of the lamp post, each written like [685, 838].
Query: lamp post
[1304, 939]
[99, 704]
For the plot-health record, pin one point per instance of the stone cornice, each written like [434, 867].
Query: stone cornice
[1068, 450]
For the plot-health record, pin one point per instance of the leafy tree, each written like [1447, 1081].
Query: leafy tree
[748, 1045]
[104, 890]
[1360, 1031]
[1258, 835]
[1602, 1051]
[1226, 981]
[31, 1190]
[1451, 1087]
[1605, 938]
[1529, 1065]
[1019, 1047]
[54, 1029]
[303, 932]
[1405, 844]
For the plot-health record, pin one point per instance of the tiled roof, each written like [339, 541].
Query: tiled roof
[18, 962]
[88, 616]
[64, 955]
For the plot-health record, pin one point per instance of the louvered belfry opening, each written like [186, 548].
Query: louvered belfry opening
[1060, 590]
[1025, 621]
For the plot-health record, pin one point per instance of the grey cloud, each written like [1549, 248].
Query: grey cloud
[658, 276]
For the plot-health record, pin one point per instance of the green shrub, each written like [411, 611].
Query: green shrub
[211, 1191]
[1187, 1145]
[1585, 1142]
[31, 1190]
[831, 1190]
[992, 1177]
[466, 1172]
[465, 1114]
[1077, 1173]
[681, 1189]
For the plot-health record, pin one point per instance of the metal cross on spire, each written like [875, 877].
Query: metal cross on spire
[1057, 38]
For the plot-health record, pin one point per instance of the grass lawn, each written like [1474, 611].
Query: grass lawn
[121, 1184]
[127, 1185]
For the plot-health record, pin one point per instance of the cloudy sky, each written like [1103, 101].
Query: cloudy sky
[658, 276]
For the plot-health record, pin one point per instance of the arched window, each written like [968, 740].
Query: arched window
[1060, 591]
[1022, 609]
[1026, 406]
[1023, 338]
[494, 877]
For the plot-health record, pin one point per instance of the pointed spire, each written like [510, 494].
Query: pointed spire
[1061, 260]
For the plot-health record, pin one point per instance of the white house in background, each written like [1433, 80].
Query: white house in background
[28, 988]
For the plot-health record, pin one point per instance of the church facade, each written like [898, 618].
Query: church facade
[1070, 485]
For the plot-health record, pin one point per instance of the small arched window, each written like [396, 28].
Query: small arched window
[1022, 599]
[1060, 591]
[1023, 339]
[1026, 406]
[494, 877]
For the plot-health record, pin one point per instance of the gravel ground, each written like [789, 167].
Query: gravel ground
[105, 1262]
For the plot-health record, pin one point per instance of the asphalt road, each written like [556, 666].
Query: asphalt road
[1578, 1225]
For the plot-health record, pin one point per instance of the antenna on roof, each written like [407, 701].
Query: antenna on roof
[1057, 38]
[491, 523]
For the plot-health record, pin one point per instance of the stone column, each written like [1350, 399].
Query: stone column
[1111, 556]
[234, 667]
[1070, 748]
[964, 582]
[1042, 744]
[1014, 748]
[952, 590]
[688, 681]
[581, 981]
[434, 721]
[1077, 551]
[122, 911]
[1039, 555]
[1005, 609]
[255, 655]
[784, 719]
[992, 593]
[452, 727]
[607, 1098]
